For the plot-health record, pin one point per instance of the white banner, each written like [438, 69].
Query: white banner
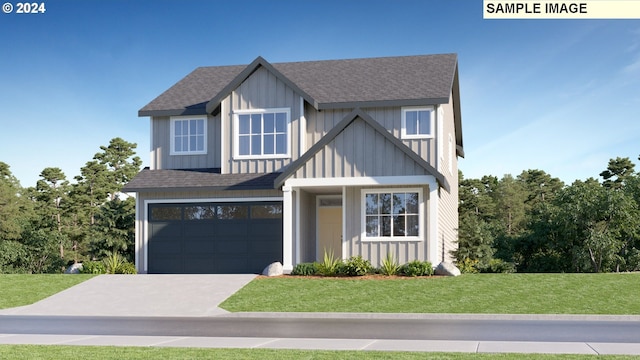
[586, 9]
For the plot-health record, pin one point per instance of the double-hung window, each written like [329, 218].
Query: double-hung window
[392, 214]
[417, 123]
[188, 135]
[262, 133]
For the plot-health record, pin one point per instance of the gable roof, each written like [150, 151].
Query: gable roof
[328, 84]
[340, 127]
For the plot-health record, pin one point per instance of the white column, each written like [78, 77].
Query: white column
[432, 236]
[297, 226]
[287, 229]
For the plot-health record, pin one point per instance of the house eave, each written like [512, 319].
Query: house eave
[382, 103]
[172, 112]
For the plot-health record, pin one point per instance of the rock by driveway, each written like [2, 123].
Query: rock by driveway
[140, 295]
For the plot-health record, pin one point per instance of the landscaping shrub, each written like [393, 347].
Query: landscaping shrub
[126, 268]
[468, 266]
[305, 269]
[389, 265]
[357, 266]
[116, 264]
[500, 266]
[93, 267]
[330, 265]
[417, 268]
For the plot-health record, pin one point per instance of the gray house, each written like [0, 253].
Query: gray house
[267, 162]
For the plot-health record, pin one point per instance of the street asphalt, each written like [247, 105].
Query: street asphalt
[193, 297]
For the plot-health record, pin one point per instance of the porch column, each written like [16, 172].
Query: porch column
[287, 229]
[432, 233]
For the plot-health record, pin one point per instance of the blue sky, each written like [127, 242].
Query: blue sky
[558, 95]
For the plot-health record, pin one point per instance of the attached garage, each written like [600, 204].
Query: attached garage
[213, 238]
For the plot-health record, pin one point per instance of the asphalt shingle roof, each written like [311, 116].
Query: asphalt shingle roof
[198, 179]
[331, 83]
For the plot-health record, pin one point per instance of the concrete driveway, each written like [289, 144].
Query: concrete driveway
[140, 295]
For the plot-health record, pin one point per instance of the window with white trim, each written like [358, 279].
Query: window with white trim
[417, 123]
[392, 214]
[188, 135]
[262, 133]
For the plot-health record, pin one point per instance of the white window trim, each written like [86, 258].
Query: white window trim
[363, 216]
[431, 134]
[440, 137]
[236, 135]
[173, 137]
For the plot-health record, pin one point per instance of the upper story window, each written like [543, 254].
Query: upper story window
[417, 123]
[262, 133]
[188, 135]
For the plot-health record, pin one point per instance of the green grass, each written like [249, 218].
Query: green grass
[615, 294]
[25, 289]
[32, 352]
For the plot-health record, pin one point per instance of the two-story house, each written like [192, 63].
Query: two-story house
[267, 162]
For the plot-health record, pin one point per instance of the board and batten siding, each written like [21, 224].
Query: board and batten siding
[321, 122]
[359, 150]
[261, 90]
[376, 251]
[161, 157]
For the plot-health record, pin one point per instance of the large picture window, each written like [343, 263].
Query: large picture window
[188, 136]
[417, 123]
[262, 133]
[392, 214]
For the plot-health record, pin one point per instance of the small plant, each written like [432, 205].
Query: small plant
[126, 268]
[330, 264]
[500, 266]
[113, 263]
[357, 266]
[468, 266]
[305, 269]
[417, 268]
[93, 267]
[390, 265]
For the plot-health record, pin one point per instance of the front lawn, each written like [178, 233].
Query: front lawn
[615, 294]
[26, 289]
[18, 352]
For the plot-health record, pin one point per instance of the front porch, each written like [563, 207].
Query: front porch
[329, 213]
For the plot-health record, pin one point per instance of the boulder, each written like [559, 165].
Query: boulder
[274, 269]
[447, 269]
[74, 269]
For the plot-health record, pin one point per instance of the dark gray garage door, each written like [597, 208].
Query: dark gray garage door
[214, 238]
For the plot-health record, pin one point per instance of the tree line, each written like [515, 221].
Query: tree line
[535, 223]
[45, 228]
[529, 223]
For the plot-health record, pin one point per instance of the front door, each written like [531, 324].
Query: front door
[329, 231]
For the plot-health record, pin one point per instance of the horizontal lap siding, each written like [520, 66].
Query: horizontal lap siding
[262, 90]
[161, 140]
[448, 204]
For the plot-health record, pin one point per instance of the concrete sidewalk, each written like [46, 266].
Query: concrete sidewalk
[329, 344]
